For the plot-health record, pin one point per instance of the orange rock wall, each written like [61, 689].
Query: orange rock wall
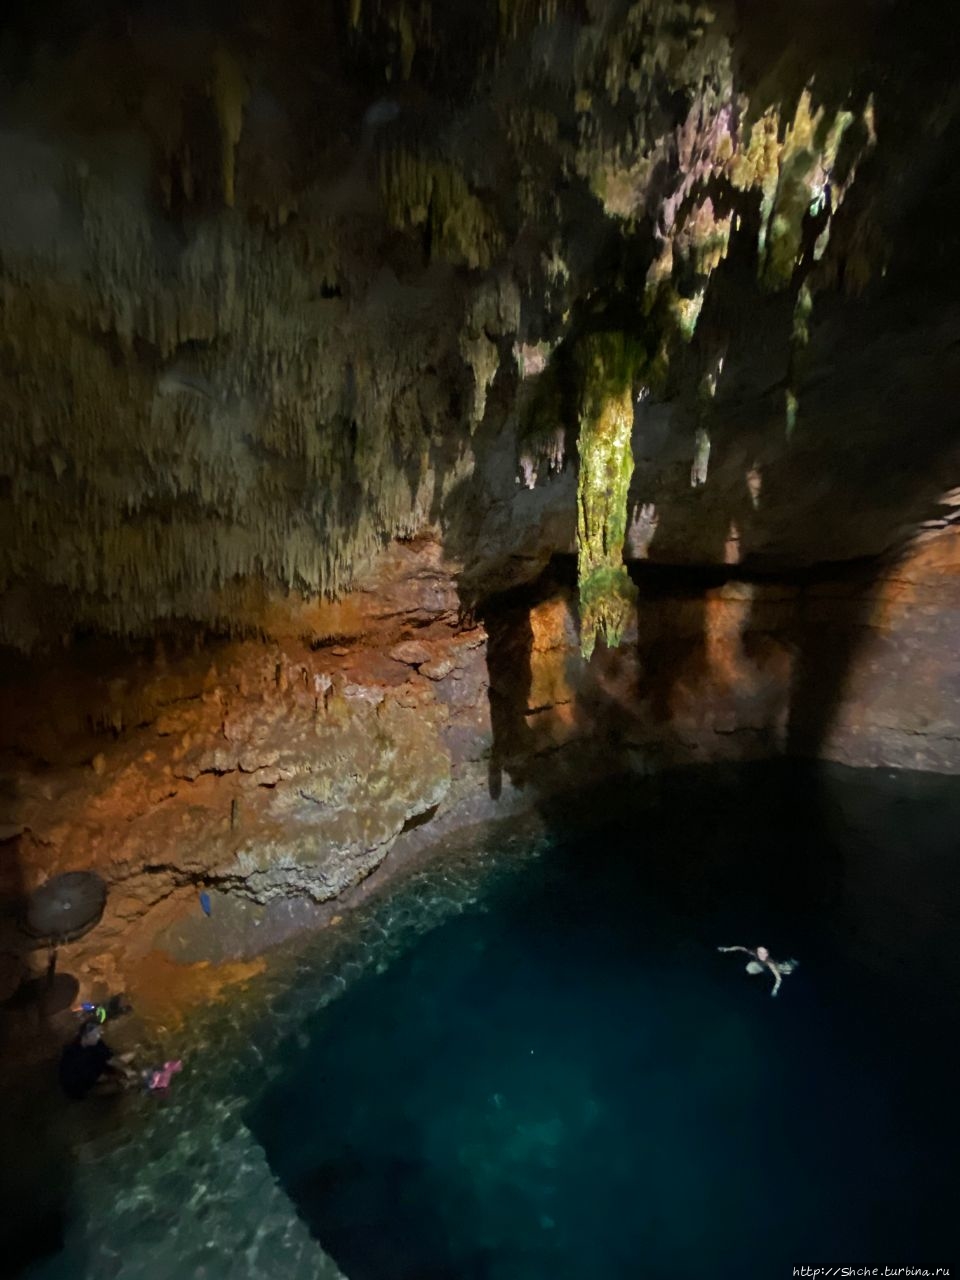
[290, 765]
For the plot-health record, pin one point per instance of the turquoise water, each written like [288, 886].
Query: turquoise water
[531, 1063]
[154, 1188]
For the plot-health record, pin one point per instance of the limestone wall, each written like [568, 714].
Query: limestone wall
[278, 769]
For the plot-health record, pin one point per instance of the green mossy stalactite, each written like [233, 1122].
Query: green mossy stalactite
[430, 195]
[610, 364]
[792, 175]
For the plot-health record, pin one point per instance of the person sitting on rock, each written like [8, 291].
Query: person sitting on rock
[763, 960]
[89, 1063]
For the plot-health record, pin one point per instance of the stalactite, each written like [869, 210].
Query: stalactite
[791, 176]
[701, 458]
[432, 195]
[193, 417]
[610, 364]
[229, 90]
[518, 17]
[541, 429]
[185, 473]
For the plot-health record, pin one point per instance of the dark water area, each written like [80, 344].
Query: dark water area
[568, 1080]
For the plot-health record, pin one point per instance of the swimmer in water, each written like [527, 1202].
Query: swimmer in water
[761, 959]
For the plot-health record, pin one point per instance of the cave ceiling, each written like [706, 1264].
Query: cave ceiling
[281, 282]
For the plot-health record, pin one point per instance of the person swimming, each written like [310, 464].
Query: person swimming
[762, 959]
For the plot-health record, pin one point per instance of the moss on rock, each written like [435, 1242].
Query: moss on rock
[610, 364]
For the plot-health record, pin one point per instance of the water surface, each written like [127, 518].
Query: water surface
[569, 1081]
[529, 1062]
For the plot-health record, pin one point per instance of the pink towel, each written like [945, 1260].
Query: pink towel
[160, 1079]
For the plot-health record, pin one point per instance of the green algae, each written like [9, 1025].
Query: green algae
[610, 365]
[426, 193]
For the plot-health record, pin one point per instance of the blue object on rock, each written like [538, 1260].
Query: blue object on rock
[205, 902]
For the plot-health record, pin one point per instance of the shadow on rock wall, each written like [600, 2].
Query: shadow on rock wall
[37, 1129]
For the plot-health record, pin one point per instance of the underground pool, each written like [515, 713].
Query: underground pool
[529, 1061]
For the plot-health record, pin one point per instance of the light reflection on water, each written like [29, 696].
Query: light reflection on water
[178, 1187]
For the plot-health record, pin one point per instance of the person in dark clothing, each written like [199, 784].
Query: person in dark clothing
[87, 1061]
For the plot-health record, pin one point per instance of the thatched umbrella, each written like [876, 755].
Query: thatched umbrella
[64, 909]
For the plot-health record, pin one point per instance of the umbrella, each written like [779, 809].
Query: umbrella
[66, 907]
